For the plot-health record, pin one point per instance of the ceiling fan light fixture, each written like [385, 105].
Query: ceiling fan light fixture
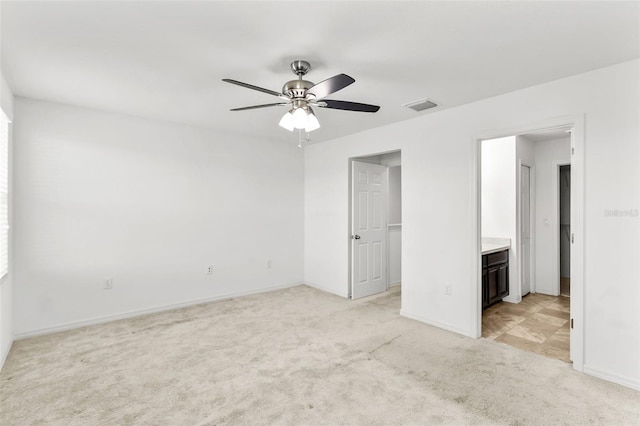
[287, 121]
[300, 118]
[312, 122]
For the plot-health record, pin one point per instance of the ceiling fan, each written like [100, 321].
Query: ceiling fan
[301, 95]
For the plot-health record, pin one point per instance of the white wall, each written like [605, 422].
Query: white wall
[499, 200]
[391, 159]
[6, 284]
[6, 97]
[525, 151]
[499, 188]
[395, 194]
[547, 156]
[439, 207]
[150, 204]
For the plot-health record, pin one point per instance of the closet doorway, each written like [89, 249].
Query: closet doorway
[375, 224]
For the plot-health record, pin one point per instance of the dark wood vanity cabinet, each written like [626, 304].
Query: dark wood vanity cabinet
[495, 277]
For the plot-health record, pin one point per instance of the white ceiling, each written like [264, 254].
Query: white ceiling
[166, 60]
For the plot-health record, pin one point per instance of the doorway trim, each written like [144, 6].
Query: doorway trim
[577, 123]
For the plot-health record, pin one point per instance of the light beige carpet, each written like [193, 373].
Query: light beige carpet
[295, 356]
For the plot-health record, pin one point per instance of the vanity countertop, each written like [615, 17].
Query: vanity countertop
[494, 245]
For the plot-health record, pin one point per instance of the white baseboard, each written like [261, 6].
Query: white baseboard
[5, 354]
[327, 290]
[395, 283]
[546, 292]
[140, 312]
[435, 323]
[514, 299]
[612, 377]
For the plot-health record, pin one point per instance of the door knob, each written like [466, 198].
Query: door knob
[355, 237]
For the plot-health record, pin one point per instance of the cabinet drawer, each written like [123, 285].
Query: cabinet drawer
[496, 258]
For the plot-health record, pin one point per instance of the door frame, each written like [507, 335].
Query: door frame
[577, 123]
[555, 196]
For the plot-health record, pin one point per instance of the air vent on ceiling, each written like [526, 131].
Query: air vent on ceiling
[421, 105]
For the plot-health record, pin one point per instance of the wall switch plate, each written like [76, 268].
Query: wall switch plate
[447, 289]
[108, 283]
[210, 270]
[267, 264]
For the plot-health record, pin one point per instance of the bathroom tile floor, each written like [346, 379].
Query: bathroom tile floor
[539, 323]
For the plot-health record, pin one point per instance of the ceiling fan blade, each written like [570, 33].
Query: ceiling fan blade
[259, 106]
[348, 106]
[251, 86]
[330, 85]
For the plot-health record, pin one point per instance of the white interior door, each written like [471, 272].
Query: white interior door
[369, 229]
[525, 230]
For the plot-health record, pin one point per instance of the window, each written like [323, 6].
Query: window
[4, 194]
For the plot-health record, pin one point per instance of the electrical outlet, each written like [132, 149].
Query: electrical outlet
[108, 283]
[447, 289]
[268, 264]
[210, 270]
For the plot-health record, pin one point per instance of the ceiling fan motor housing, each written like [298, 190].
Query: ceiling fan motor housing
[295, 89]
[300, 67]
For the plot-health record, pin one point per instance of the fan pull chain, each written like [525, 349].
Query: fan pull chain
[300, 140]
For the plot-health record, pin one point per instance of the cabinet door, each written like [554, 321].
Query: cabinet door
[485, 288]
[503, 280]
[492, 283]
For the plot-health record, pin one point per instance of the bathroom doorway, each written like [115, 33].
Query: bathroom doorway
[524, 207]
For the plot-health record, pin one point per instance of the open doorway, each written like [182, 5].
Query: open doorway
[564, 191]
[375, 224]
[521, 261]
